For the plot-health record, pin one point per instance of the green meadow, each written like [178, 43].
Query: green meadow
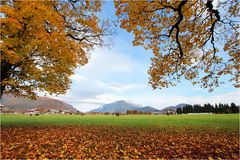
[211, 120]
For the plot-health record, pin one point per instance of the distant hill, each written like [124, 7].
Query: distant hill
[148, 109]
[21, 104]
[173, 108]
[123, 106]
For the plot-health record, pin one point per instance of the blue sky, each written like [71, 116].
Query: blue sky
[120, 73]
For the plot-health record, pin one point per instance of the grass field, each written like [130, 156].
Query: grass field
[211, 120]
[123, 137]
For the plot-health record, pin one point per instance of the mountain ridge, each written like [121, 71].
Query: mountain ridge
[173, 108]
[21, 104]
[123, 106]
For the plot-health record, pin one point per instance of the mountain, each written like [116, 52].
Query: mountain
[123, 106]
[148, 109]
[118, 106]
[21, 104]
[173, 108]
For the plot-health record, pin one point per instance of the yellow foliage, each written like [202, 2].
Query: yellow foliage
[190, 33]
[42, 42]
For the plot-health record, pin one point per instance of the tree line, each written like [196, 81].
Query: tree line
[208, 108]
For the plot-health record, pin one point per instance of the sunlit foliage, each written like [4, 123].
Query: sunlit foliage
[42, 42]
[196, 40]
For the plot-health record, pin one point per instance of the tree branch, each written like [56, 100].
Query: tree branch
[179, 10]
[176, 25]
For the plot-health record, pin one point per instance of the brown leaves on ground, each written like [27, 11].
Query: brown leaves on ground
[108, 142]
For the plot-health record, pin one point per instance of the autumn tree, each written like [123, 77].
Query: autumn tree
[42, 42]
[196, 39]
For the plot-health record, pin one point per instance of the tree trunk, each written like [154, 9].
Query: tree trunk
[5, 68]
[2, 89]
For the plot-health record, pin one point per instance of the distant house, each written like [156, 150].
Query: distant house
[33, 111]
[8, 112]
[5, 110]
[53, 111]
[170, 112]
[42, 110]
[65, 112]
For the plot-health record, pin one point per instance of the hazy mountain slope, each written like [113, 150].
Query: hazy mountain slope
[148, 109]
[173, 108]
[118, 106]
[123, 106]
[21, 104]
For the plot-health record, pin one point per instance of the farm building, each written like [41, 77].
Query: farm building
[3, 107]
[65, 112]
[33, 111]
[5, 110]
[53, 111]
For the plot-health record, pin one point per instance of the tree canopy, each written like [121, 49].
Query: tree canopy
[196, 40]
[42, 42]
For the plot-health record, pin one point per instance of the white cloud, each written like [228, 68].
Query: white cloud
[104, 62]
[78, 77]
[118, 87]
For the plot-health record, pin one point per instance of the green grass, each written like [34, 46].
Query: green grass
[214, 120]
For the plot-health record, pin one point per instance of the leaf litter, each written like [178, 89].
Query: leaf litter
[109, 142]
